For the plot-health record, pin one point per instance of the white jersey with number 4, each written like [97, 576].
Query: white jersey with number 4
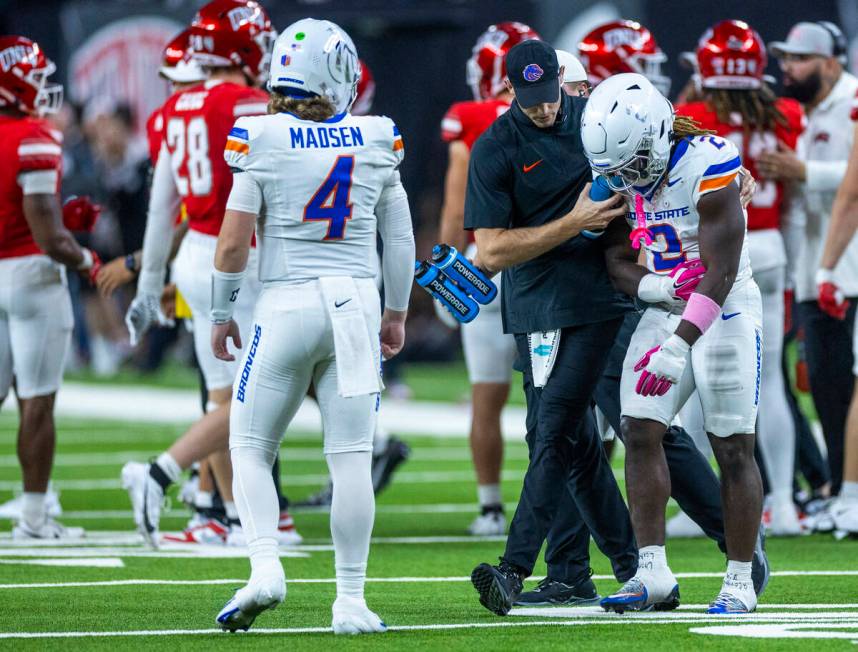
[699, 165]
[319, 183]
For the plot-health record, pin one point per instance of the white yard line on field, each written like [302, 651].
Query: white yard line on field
[93, 562]
[154, 405]
[832, 619]
[428, 580]
[289, 480]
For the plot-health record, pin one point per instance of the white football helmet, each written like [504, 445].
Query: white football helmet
[626, 130]
[315, 57]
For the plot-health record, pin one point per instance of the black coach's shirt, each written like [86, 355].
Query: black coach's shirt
[520, 175]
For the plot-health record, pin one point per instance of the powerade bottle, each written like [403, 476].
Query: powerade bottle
[599, 191]
[467, 275]
[451, 296]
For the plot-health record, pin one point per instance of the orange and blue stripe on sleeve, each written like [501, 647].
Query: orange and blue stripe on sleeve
[719, 175]
[237, 141]
[397, 139]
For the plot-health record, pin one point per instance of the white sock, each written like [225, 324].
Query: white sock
[379, 439]
[849, 492]
[352, 515]
[652, 559]
[33, 511]
[169, 466]
[738, 576]
[489, 494]
[231, 510]
[256, 504]
[204, 500]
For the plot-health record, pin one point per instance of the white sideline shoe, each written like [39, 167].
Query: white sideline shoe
[50, 529]
[783, 517]
[250, 601]
[682, 527]
[146, 498]
[352, 616]
[491, 523]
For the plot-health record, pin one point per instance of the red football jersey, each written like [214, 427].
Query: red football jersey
[466, 121]
[29, 145]
[764, 211]
[196, 124]
[155, 133]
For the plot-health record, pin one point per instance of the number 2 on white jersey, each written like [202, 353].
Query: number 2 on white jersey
[190, 145]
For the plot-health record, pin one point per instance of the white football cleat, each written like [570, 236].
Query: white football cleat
[844, 514]
[646, 591]
[733, 601]
[146, 498]
[783, 517]
[208, 532]
[682, 527]
[489, 523]
[287, 535]
[352, 616]
[11, 509]
[250, 601]
[50, 529]
[235, 537]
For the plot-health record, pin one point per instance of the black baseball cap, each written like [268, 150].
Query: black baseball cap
[533, 71]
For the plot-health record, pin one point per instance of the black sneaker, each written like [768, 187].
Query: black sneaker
[760, 571]
[322, 498]
[549, 592]
[385, 463]
[498, 586]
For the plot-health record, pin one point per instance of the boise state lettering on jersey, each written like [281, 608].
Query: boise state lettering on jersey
[248, 365]
[669, 214]
[324, 137]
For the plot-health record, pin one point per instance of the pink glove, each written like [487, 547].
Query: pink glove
[686, 277]
[661, 367]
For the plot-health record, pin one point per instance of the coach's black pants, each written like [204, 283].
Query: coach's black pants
[828, 349]
[566, 455]
[694, 485]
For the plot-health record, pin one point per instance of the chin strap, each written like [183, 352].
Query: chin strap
[641, 232]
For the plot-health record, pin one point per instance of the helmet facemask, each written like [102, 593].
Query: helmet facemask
[49, 96]
[643, 168]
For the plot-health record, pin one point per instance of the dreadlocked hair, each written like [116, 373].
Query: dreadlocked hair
[317, 109]
[683, 126]
[757, 106]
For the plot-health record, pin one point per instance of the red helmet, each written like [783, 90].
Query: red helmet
[731, 55]
[233, 33]
[486, 69]
[365, 90]
[24, 72]
[623, 46]
[177, 65]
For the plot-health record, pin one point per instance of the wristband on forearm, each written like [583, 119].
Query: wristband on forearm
[225, 288]
[87, 260]
[701, 311]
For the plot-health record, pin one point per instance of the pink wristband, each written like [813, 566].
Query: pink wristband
[701, 311]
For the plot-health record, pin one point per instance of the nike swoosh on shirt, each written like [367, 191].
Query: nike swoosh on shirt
[341, 304]
[725, 316]
[670, 183]
[528, 168]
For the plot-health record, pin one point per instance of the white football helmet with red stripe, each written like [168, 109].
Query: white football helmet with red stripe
[24, 72]
[486, 69]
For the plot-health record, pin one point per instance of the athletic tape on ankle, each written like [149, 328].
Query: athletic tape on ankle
[701, 311]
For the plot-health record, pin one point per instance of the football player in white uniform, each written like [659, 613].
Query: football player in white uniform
[318, 184]
[686, 212]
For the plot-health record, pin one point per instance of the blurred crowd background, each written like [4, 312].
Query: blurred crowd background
[107, 54]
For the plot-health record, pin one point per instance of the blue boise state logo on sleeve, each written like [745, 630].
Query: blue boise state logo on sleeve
[532, 72]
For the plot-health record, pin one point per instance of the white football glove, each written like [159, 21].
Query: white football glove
[444, 315]
[144, 311]
[661, 367]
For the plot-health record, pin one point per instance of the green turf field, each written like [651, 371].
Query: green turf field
[418, 569]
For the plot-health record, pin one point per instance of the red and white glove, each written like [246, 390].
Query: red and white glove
[830, 298]
[661, 367]
[91, 264]
[674, 288]
[80, 214]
